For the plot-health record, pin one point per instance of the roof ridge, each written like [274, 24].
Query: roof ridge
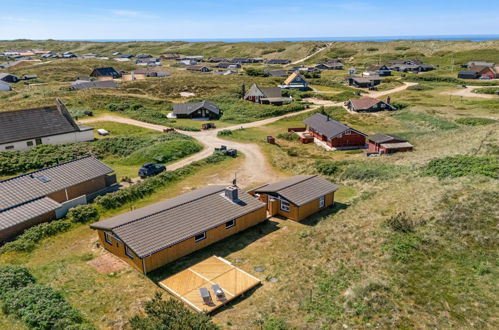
[47, 168]
[305, 179]
[170, 208]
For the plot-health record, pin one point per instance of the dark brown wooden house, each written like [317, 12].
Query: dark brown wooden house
[335, 134]
[387, 144]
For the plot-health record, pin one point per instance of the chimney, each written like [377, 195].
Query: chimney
[231, 193]
[388, 99]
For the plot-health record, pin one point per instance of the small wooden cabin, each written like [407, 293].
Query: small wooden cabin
[387, 144]
[203, 109]
[369, 104]
[298, 197]
[335, 134]
[153, 236]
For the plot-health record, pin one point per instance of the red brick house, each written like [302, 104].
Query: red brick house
[387, 144]
[335, 134]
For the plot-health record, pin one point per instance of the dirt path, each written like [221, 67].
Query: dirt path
[255, 168]
[311, 55]
[467, 92]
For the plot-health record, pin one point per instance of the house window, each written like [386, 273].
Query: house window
[200, 237]
[29, 143]
[107, 238]
[9, 147]
[38, 141]
[285, 206]
[230, 224]
[322, 201]
[128, 252]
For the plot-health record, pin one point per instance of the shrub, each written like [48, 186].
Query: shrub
[364, 171]
[419, 87]
[475, 121]
[326, 168]
[275, 323]
[225, 132]
[463, 165]
[170, 315]
[83, 214]
[401, 223]
[372, 49]
[13, 278]
[402, 48]
[40, 307]
[255, 72]
[288, 136]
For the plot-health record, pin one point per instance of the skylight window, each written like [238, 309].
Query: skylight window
[43, 178]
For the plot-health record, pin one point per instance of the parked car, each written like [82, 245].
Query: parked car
[150, 169]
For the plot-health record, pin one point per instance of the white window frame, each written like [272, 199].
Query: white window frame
[322, 201]
[128, 252]
[230, 224]
[107, 238]
[285, 205]
[200, 239]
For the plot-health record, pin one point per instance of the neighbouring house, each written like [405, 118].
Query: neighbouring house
[23, 129]
[148, 61]
[298, 197]
[128, 56]
[484, 72]
[228, 65]
[8, 78]
[277, 73]
[333, 65]
[479, 63]
[278, 61]
[405, 61]
[218, 59]
[48, 194]
[195, 58]
[5, 87]
[333, 133]
[203, 109]
[266, 95]
[378, 70]
[143, 56]
[153, 236]
[105, 73]
[198, 68]
[369, 104]
[468, 75]
[295, 80]
[363, 82]
[387, 144]
[245, 60]
[87, 84]
[169, 57]
[144, 73]
[410, 66]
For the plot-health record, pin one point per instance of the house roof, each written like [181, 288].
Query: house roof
[328, 126]
[396, 145]
[4, 86]
[150, 70]
[82, 84]
[4, 75]
[34, 185]
[29, 210]
[158, 226]
[105, 72]
[188, 108]
[277, 73]
[20, 125]
[360, 80]
[300, 189]
[271, 92]
[197, 67]
[384, 138]
[292, 77]
[376, 67]
[365, 102]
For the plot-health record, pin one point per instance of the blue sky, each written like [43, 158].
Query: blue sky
[124, 19]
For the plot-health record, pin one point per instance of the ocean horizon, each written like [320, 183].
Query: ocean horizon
[474, 38]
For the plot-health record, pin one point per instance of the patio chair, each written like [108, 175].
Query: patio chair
[219, 293]
[205, 294]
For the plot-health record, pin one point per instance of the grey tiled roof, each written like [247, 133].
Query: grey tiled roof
[327, 126]
[79, 84]
[27, 211]
[188, 108]
[27, 187]
[271, 91]
[20, 125]
[384, 138]
[300, 189]
[153, 228]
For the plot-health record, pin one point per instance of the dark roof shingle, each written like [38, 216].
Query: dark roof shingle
[327, 126]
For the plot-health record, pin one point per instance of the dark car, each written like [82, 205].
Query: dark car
[150, 169]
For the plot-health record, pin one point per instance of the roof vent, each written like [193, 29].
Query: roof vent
[232, 193]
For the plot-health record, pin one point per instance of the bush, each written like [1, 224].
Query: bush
[475, 121]
[27, 241]
[400, 223]
[372, 49]
[40, 307]
[420, 87]
[83, 214]
[463, 165]
[225, 132]
[170, 315]
[255, 72]
[288, 136]
[364, 171]
[326, 168]
[402, 48]
[13, 278]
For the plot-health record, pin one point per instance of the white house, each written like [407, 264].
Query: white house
[23, 129]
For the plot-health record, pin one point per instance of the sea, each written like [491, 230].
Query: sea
[470, 37]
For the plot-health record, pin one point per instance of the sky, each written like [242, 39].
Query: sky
[194, 19]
